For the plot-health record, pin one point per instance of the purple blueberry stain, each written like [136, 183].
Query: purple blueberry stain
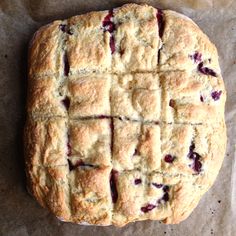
[165, 197]
[195, 156]
[196, 57]
[113, 180]
[157, 185]
[169, 158]
[172, 103]
[62, 27]
[197, 165]
[206, 70]
[136, 152]
[137, 181]
[160, 23]
[166, 188]
[107, 22]
[216, 95]
[201, 98]
[108, 25]
[103, 117]
[112, 44]
[68, 149]
[192, 147]
[65, 29]
[148, 208]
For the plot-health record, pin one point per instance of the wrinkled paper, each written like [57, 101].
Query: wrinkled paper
[20, 214]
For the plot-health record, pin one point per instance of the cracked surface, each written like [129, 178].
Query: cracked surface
[125, 109]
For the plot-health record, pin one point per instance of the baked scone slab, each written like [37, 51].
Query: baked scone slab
[135, 146]
[117, 110]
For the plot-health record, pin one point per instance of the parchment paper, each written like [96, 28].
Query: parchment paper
[20, 215]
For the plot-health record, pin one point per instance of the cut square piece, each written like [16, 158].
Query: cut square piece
[192, 149]
[141, 196]
[50, 185]
[192, 99]
[88, 46]
[136, 96]
[90, 142]
[46, 51]
[46, 146]
[173, 195]
[136, 39]
[46, 97]
[185, 46]
[135, 146]
[90, 195]
[89, 95]
[176, 141]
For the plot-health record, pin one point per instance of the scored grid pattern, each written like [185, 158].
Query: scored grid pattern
[141, 127]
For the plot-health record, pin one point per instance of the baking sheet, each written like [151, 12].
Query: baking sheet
[19, 213]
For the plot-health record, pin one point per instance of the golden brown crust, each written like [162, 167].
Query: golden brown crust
[45, 97]
[181, 39]
[49, 185]
[45, 52]
[125, 110]
[45, 141]
[136, 96]
[90, 195]
[188, 98]
[90, 96]
[90, 141]
[136, 46]
[88, 47]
